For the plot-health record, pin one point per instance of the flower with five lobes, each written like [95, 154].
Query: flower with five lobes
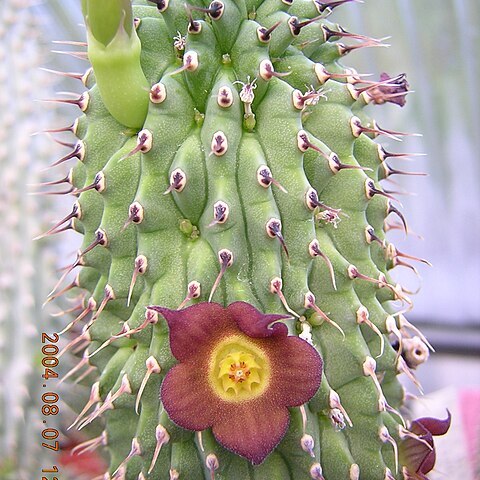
[238, 373]
[419, 454]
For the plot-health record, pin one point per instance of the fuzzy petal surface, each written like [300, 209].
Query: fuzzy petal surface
[193, 329]
[252, 432]
[188, 403]
[256, 324]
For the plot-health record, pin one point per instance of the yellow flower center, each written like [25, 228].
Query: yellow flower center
[239, 369]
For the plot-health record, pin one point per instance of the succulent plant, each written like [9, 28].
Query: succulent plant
[237, 299]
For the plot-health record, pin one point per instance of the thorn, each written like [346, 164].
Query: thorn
[109, 400]
[151, 318]
[265, 179]
[402, 367]
[214, 11]
[342, 33]
[212, 464]
[264, 34]
[219, 144]
[109, 294]
[314, 250]
[193, 291]
[79, 55]
[100, 239]
[70, 42]
[91, 305]
[392, 209]
[335, 164]
[328, 5]
[94, 398]
[353, 273]
[78, 152]
[90, 445]
[274, 230]
[391, 326]
[225, 257]
[85, 374]
[70, 128]
[316, 471]
[62, 192]
[121, 474]
[307, 444]
[162, 438]
[369, 368]
[404, 323]
[75, 213]
[76, 76]
[135, 450]
[310, 303]
[158, 93]
[66, 179]
[393, 252]
[386, 437]
[76, 368]
[276, 288]
[323, 75]
[344, 49]
[53, 296]
[371, 191]
[363, 318]
[178, 180]
[312, 202]
[140, 268]
[304, 418]
[296, 26]
[144, 143]
[109, 341]
[370, 237]
[81, 102]
[135, 215]
[85, 336]
[221, 212]
[152, 367]
[190, 63]
[310, 98]
[383, 154]
[65, 312]
[334, 402]
[98, 184]
[266, 71]
[358, 129]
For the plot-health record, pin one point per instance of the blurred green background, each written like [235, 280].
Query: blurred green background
[436, 42]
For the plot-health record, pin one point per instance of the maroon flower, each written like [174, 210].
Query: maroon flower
[418, 454]
[238, 372]
[393, 90]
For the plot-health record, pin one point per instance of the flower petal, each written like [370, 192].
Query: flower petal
[188, 403]
[195, 328]
[252, 429]
[416, 455]
[434, 425]
[257, 324]
[296, 371]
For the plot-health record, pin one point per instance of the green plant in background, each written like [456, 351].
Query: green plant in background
[237, 302]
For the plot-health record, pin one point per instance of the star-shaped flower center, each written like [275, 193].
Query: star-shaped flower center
[238, 369]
